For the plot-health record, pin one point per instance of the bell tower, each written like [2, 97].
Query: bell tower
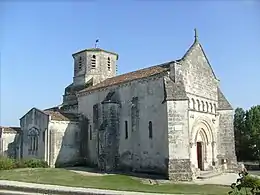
[91, 66]
[94, 65]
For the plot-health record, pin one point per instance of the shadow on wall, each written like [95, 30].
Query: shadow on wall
[14, 147]
[69, 145]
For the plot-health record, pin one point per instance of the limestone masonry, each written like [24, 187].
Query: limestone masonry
[171, 119]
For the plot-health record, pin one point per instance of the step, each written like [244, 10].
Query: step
[208, 174]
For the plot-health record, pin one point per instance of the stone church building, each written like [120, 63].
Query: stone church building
[171, 119]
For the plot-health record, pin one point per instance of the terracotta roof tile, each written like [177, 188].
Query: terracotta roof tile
[139, 74]
[61, 116]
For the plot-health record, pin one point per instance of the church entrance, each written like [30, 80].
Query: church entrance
[199, 155]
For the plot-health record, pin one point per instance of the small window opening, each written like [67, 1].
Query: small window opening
[80, 63]
[93, 62]
[193, 103]
[108, 63]
[43, 136]
[150, 127]
[198, 103]
[211, 107]
[203, 106]
[215, 108]
[126, 130]
[90, 132]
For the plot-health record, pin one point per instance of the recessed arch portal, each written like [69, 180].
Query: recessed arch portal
[201, 138]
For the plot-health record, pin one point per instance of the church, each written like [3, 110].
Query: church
[171, 119]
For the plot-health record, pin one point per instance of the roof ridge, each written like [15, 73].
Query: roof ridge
[130, 76]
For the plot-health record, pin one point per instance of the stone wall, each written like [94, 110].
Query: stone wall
[9, 143]
[226, 138]
[64, 143]
[108, 137]
[34, 123]
[199, 78]
[101, 70]
[178, 139]
[137, 151]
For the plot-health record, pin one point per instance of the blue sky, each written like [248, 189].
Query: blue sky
[37, 40]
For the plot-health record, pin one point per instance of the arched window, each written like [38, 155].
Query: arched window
[150, 127]
[193, 103]
[108, 63]
[215, 108]
[211, 107]
[203, 106]
[198, 105]
[207, 106]
[93, 62]
[33, 136]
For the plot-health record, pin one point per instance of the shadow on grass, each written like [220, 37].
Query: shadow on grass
[86, 170]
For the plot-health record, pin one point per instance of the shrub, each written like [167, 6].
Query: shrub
[250, 182]
[6, 163]
[35, 163]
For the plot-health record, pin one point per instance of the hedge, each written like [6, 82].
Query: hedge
[9, 163]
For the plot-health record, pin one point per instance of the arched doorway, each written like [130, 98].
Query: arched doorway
[199, 155]
[202, 150]
[201, 146]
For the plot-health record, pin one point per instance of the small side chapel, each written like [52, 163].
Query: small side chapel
[171, 119]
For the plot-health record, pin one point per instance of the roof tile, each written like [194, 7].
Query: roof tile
[139, 74]
[61, 116]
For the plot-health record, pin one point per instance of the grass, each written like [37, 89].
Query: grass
[114, 182]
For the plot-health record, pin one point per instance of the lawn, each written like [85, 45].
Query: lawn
[114, 182]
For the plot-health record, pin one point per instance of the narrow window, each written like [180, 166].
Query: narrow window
[126, 130]
[211, 107]
[215, 108]
[203, 106]
[31, 143]
[198, 102]
[36, 143]
[93, 62]
[207, 106]
[43, 136]
[90, 132]
[150, 127]
[108, 63]
[80, 63]
[193, 103]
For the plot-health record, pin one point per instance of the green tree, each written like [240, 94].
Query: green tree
[253, 126]
[241, 140]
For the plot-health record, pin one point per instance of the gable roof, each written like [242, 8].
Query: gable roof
[223, 103]
[30, 111]
[196, 44]
[61, 116]
[120, 79]
[56, 114]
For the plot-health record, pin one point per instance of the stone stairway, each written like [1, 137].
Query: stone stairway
[208, 174]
